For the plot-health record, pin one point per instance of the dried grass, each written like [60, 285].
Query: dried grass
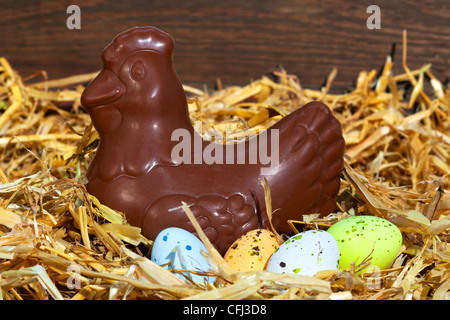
[59, 242]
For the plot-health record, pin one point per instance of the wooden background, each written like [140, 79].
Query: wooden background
[236, 41]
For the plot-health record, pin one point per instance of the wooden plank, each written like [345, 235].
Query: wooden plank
[236, 41]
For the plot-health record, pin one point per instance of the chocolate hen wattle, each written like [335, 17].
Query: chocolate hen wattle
[150, 158]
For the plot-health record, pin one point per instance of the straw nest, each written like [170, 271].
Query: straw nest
[59, 242]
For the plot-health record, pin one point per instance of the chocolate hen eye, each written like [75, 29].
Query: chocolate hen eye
[138, 70]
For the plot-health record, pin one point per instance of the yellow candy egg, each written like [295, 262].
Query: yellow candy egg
[252, 250]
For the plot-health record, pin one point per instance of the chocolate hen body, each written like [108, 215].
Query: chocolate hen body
[138, 106]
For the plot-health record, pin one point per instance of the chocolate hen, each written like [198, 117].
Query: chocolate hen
[150, 158]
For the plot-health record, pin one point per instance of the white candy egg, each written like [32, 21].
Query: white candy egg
[182, 250]
[306, 254]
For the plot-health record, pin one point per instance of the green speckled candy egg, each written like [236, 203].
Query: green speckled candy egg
[358, 235]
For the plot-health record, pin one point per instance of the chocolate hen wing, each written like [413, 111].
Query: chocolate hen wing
[315, 160]
[223, 219]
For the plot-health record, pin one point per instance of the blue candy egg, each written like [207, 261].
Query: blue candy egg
[180, 249]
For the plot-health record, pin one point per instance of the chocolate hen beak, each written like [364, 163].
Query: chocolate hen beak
[104, 89]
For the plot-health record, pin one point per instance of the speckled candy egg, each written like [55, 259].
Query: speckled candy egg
[306, 254]
[252, 250]
[358, 235]
[183, 250]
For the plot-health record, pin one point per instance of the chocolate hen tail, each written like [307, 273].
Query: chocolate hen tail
[327, 158]
[331, 154]
[315, 160]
